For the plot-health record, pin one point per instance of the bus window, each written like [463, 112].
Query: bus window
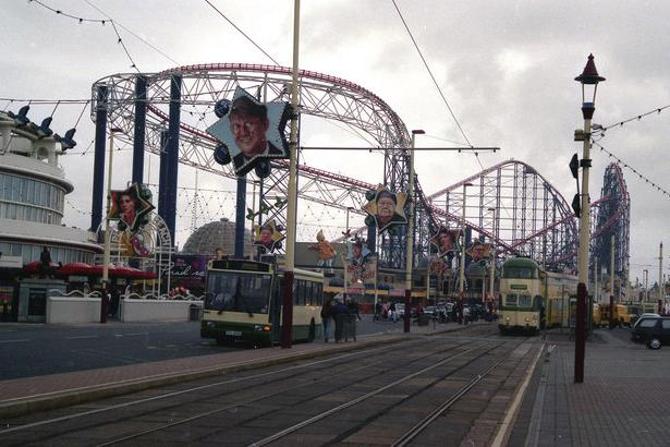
[511, 300]
[525, 301]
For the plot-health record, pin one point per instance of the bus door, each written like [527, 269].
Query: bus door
[275, 308]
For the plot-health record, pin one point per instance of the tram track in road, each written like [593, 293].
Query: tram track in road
[415, 430]
[123, 407]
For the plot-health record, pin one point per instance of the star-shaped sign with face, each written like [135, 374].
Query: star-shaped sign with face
[446, 241]
[252, 130]
[387, 207]
[268, 236]
[131, 207]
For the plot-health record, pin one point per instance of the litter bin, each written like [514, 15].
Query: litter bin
[423, 320]
[194, 312]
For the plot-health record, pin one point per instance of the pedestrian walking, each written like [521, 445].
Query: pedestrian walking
[393, 315]
[326, 315]
[379, 309]
[352, 315]
[339, 313]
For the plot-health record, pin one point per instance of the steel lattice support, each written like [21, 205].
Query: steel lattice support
[611, 217]
[533, 218]
[321, 95]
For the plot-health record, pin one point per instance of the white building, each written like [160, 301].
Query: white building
[32, 194]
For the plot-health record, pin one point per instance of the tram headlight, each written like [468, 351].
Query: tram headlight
[526, 320]
[262, 328]
[507, 319]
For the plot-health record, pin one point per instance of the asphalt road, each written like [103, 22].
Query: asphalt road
[37, 349]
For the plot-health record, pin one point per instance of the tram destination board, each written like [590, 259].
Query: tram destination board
[240, 264]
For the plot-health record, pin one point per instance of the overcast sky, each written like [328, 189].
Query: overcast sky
[506, 67]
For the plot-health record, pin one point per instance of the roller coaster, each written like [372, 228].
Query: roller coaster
[165, 113]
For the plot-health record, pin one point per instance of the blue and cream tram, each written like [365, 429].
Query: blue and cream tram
[243, 303]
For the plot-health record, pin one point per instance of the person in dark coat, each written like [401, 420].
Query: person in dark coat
[45, 263]
[352, 315]
[326, 315]
[339, 313]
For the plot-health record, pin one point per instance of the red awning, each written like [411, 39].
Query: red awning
[77, 268]
[34, 267]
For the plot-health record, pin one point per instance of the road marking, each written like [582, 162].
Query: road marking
[81, 337]
[506, 426]
[132, 334]
[17, 340]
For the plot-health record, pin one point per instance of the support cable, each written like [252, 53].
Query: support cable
[242, 32]
[423, 59]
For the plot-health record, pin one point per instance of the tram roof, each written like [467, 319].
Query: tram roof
[520, 262]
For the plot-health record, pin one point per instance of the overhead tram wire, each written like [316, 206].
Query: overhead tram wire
[425, 63]
[131, 32]
[242, 32]
[89, 20]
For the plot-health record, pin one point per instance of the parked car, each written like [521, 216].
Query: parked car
[653, 331]
[637, 320]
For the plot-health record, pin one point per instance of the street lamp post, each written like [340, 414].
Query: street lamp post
[287, 302]
[588, 78]
[108, 249]
[493, 253]
[410, 235]
[461, 274]
[646, 285]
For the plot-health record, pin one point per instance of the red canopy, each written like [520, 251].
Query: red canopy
[77, 268]
[34, 267]
[83, 269]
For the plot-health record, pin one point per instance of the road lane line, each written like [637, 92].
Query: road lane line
[81, 337]
[16, 340]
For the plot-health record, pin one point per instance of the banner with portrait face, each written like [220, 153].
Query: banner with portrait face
[479, 251]
[252, 130]
[446, 241]
[268, 237]
[387, 208]
[132, 207]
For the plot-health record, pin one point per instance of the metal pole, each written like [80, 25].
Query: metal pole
[612, 267]
[595, 280]
[409, 258]
[660, 270]
[461, 279]
[493, 255]
[292, 188]
[107, 253]
[99, 159]
[584, 235]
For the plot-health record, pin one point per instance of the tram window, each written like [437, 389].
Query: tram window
[525, 301]
[511, 299]
[519, 273]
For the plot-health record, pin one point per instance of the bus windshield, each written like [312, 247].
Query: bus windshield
[238, 292]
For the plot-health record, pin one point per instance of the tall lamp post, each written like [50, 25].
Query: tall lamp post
[461, 274]
[287, 303]
[410, 235]
[108, 249]
[493, 253]
[589, 80]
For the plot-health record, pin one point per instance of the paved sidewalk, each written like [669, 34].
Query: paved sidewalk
[624, 400]
[43, 392]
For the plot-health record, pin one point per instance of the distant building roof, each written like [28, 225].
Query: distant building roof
[216, 234]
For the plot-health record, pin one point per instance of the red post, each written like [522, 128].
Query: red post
[612, 324]
[104, 303]
[580, 333]
[660, 307]
[287, 311]
[408, 310]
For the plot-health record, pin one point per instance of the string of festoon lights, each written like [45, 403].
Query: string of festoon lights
[82, 20]
[600, 130]
[632, 169]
